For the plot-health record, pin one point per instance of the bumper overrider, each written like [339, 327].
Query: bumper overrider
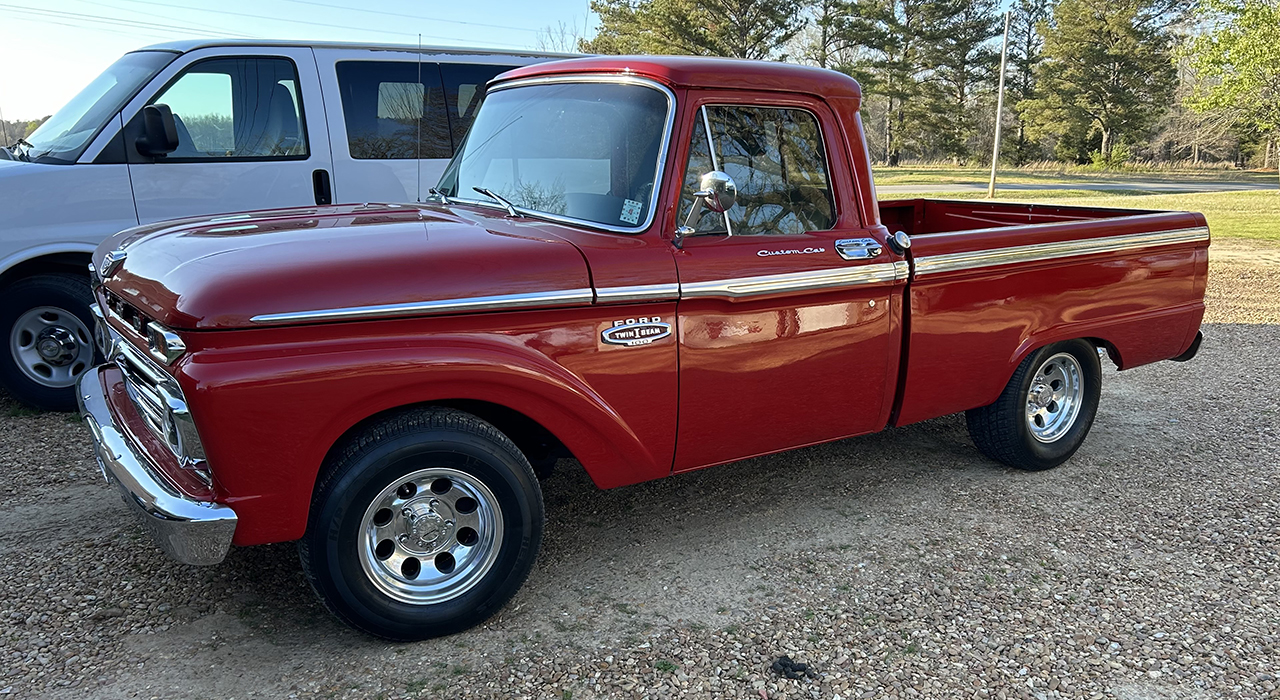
[189, 530]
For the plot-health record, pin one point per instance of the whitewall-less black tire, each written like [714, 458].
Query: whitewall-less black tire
[423, 524]
[1045, 411]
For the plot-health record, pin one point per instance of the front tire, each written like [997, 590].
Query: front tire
[426, 523]
[1045, 411]
[47, 331]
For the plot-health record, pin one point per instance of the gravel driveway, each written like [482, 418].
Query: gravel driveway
[897, 565]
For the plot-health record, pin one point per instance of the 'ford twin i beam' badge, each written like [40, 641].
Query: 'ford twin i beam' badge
[636, 331]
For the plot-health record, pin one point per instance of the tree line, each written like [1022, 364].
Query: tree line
[11, 131]
[1088, 81]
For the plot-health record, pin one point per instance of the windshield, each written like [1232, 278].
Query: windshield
[586, 151]
[65, 135]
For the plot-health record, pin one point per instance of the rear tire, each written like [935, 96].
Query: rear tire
[427, 522]
[1045, 411]
[46, 339]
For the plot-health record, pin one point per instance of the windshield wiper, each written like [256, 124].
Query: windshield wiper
[22, 155]
[444, 198]
[511, 208]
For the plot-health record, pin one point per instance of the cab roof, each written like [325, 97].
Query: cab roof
[704, 72]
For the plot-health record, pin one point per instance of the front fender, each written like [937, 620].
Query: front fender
[270, 413]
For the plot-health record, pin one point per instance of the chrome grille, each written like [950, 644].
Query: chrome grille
[143, 383]
[153, 391]
[126, 312]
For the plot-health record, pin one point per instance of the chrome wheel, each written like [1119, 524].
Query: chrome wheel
[1055, 397]
[52, 346]
[430, 536]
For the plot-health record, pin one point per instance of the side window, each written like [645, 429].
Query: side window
[777, 159]
[394, 110]
[463, 87]
[231, 108]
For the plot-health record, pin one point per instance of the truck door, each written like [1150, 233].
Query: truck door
[251, 135]
[787, 318]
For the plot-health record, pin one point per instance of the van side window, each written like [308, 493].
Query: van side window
[776, 158]
[392, 115]
[229, 108]
[463, 87]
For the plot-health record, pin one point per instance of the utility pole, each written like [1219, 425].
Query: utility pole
[995, 151]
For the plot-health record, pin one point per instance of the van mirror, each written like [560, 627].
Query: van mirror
[159, 131]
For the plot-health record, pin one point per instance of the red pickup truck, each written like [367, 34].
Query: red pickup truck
[650, 264]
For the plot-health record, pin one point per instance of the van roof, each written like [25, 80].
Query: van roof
[186, 45]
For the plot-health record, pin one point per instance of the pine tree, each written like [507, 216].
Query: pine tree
[1026, 45]
[961, 60]
[1107, 72]
[738, 28]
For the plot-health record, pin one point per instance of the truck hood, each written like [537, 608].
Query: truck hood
[337, 263]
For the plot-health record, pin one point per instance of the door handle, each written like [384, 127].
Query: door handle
[858, 248]
[324, 191]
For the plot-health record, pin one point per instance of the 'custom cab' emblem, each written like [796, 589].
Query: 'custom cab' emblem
[636, 331]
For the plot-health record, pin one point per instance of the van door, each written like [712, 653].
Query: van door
[401, 119]
[251, 135]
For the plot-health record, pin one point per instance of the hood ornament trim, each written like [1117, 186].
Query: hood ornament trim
[112, 261]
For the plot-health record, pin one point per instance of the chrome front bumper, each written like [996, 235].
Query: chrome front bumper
[190, 531]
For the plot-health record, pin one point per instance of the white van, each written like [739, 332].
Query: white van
[195, 128]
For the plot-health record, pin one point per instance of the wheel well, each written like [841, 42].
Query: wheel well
[1112, 351]
[75, 263]
[535, 441]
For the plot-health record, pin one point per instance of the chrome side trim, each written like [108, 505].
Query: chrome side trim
[500, 302]
[643, 292]
[968, 260]
[736, 288]
[190, 531]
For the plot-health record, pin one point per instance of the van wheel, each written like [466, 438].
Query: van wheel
[427, 522]
[48, 339]
[1045, 411]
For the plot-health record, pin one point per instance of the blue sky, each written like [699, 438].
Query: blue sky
[49, 49]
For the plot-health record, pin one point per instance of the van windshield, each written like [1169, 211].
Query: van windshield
[67, 133]
[582, 151]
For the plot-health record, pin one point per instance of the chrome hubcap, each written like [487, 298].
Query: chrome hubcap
[1054, 399]
[51, 346]
[430, 536]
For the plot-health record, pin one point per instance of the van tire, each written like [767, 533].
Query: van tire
[66, 298]
[1008, 432]
[408, 474]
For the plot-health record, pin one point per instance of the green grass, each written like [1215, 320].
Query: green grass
[943, 175]
[1252, 214]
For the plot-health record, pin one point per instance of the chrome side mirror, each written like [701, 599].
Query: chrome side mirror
[717, 192]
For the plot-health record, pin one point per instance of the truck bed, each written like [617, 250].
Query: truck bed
[928, 216]
[990, 280]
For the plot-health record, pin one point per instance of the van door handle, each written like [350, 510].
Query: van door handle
[858, 248]
[324, 191]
